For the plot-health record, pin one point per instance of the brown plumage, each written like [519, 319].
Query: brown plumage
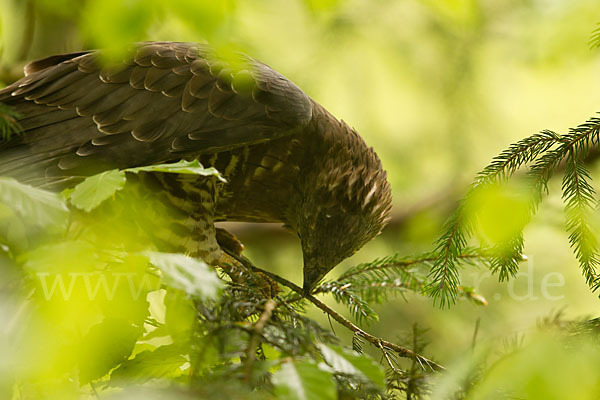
[285, 158]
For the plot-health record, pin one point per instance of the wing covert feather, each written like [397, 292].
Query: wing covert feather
[167, 101]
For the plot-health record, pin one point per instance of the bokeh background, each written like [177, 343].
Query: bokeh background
[437, 87]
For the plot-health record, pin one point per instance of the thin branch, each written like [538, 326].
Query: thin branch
[402, 351]
[257, 331]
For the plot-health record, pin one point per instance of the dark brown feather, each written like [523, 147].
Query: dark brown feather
[285, 158]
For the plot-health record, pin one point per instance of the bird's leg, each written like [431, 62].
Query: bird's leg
[191, 201]
[196, 236]
[237, 271]
[230, 246]
[219, 248]
[229, 242]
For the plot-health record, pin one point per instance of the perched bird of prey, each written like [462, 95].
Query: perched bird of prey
[284, 157]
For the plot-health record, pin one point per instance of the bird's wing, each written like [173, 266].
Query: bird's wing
[166, 102]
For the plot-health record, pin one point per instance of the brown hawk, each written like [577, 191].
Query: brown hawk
[285, 158]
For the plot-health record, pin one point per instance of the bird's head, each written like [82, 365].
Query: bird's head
[334, 234]
[345, 205]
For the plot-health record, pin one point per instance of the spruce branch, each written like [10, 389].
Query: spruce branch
[376, 341]
[516, 155]
[347, 294]
[375, 281]
[579, 195]
[546, 151]
[395, 275]
[396, 263]
[401, 351]
[444, 274]
[507, 256]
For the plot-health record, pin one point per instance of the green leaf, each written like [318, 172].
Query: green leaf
[105, 346]
[180, 313]
[13, 231]
[164, 361]
[35, 206]
[90, 193]
[62, 257]
[182, 167]
[348, 362]
[303, 380]
[95, 189]
[191, 275]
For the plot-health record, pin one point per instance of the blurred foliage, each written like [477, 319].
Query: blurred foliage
[107, 311]
[438, 88]
[104, 310]
[555, 362]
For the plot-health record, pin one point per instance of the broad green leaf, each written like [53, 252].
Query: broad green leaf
[182, 167]
[13, 230]
[164, 361]
[180, 313]
[191, 275]
[303, 380]
[348, 362]
[90, 193]
[35, 206]
[105, 346]
[62, 257]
